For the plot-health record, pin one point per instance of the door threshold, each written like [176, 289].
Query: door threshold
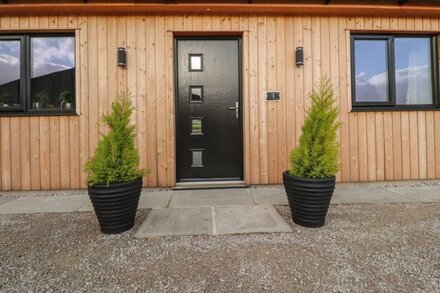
[209, 185]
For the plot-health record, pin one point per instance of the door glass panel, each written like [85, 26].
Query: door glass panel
[413, 71]
[371, 70]
[196, 126]
[196, 94]
[195, 62]
[9, 73]
[197, 158]
[52, 73]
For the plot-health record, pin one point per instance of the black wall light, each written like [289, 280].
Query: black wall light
[299, 56]
[122, 57]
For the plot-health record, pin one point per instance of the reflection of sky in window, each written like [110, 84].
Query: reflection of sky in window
[413, 70]
[371, 70]
[52, 54]
[9, 61]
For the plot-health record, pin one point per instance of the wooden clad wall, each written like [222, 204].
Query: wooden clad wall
[49, 152]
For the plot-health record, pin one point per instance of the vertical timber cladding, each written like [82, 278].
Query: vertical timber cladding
[48, 152]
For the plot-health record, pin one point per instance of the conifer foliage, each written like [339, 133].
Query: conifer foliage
[317, 155]
[116, 159]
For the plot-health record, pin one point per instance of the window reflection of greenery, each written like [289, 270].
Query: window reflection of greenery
[196, 126]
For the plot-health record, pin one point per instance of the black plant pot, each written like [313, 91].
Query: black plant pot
[115, 205]
[309, 199]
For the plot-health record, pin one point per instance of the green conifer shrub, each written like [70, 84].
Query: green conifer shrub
[317, 155]
[116, 159]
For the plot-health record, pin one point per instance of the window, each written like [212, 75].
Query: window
[197, 158]
[195, 94]
[37, 74]
[12, 84]
[196, 126]
[195, 62]
[394, 72]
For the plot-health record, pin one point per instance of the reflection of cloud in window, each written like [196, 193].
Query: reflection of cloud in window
[9, 61]
[413, 85]
[10, 47]
[372, 89]
[375, 87]
[9, 68]
[52, 54]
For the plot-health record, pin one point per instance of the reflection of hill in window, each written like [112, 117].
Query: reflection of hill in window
[54, 84]
[196, 98]
[8, 92]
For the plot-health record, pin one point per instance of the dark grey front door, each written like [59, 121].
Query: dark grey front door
[209, 134]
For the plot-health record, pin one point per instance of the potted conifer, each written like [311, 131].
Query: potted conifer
[310, 181]
[113, 175]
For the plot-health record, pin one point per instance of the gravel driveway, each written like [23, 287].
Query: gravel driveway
[387, 248]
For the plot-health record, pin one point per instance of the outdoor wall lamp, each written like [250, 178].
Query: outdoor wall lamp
[122, 57]
[299, 56]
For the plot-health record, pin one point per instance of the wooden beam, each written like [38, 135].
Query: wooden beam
[212, 8]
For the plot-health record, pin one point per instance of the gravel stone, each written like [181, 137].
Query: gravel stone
[362, 248]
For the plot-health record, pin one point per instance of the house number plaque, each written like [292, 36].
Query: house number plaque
[273, 96]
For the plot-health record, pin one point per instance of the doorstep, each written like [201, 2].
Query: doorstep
[209, 185]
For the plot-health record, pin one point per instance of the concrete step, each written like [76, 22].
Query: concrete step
[209, 185]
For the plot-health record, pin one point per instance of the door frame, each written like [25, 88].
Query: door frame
[176, 97]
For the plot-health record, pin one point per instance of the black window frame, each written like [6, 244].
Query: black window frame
[25, 108]
[391, 104]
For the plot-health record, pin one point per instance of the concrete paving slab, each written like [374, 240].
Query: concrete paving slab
[206, 198]
[269, 196]
[419, 194]
[49, 204]
[87, 206]
[176, 222]
[368, 195]
[155, 199]
[250, 219]
[5, 200]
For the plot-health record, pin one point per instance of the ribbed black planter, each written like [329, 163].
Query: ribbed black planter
[115, 205]
[309, 199]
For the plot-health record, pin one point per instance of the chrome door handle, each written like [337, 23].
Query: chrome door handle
[237, 109]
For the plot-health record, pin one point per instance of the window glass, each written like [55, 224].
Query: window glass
[196, 94]
[196, 126]
[10, 64]
[413, 70]
[52, 73]
[197, 158]
[196, 62]
[371, 70]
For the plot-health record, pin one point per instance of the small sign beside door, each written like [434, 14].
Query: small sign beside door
[273, 95]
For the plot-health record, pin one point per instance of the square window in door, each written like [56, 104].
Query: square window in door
[196, 126]
[196, 94]
[195, 62]
[197, 158]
